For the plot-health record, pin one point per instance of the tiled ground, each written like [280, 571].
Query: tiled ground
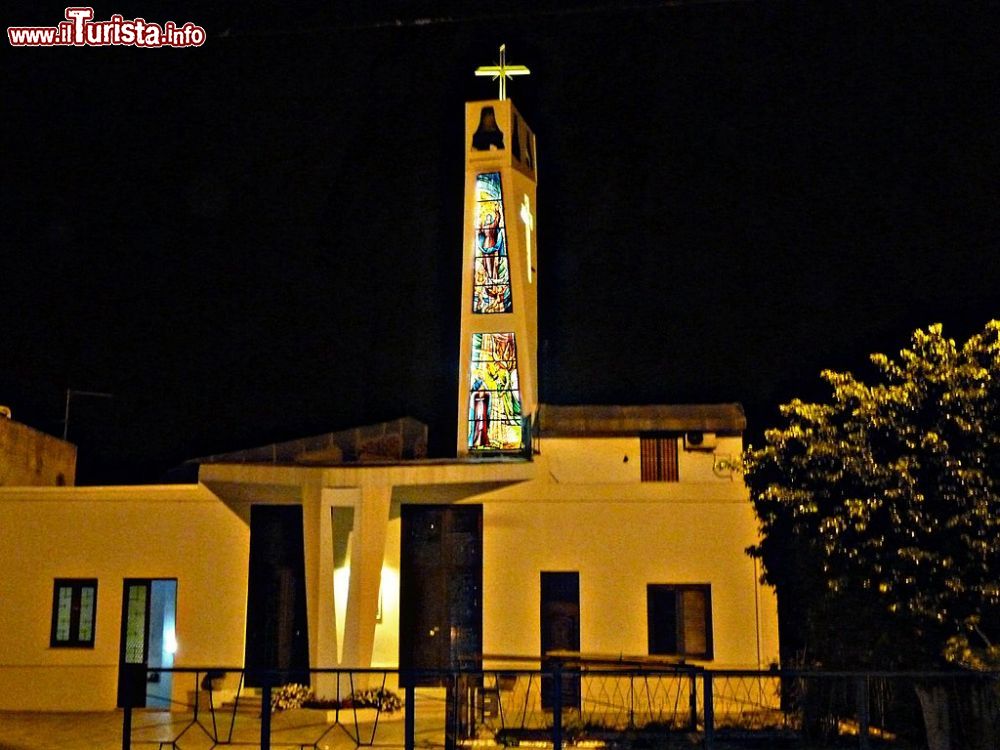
[69, 731]
[103, 731]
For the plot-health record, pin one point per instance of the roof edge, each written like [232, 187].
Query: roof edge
[585, 419]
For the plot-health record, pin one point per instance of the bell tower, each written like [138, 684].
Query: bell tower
[498, 385]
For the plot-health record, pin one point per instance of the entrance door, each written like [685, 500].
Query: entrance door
[277, 632]
[441, 606]
[560, 631]
[148, 639]
[441, 583]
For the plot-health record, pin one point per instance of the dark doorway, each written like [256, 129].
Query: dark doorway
[277, 631]
[560, 631]
[441, 583]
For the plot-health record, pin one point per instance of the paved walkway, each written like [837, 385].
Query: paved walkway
[103, 731]
[69, 731]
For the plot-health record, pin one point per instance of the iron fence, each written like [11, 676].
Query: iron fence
[566, 705]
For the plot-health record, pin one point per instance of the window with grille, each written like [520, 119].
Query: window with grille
[680, 620]
[658, 455]
[74, 610]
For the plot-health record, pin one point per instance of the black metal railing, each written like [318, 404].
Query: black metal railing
[566, 704]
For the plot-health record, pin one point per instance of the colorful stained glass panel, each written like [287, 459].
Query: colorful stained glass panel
[491, 281]
[87, 594]
[64, 614]
[74, 606]
[495, 396]
[135, 627]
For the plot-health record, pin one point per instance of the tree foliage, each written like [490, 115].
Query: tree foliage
[880, 508]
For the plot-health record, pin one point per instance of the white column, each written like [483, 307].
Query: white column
[325, 638]
[334, 529]
[371, 519]
[312, 540]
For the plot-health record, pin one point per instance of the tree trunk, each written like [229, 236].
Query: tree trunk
[934, 704]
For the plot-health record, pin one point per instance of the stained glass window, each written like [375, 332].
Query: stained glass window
[135, 627]
[491, 284]
[65, 613]
[74, 605]
[86, 629]
[495, 396]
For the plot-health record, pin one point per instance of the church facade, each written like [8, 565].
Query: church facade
[591, 530]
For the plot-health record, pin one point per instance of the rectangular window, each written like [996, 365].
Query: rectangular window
[74, 608]
[680, 620]
[658, 457]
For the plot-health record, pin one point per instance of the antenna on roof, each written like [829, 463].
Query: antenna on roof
[70, 393]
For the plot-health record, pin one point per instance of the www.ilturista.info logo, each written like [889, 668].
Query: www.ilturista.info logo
[81, 30]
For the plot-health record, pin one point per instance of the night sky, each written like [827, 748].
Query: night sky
[261, 239]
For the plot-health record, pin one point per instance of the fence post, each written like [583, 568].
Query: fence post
[631, 701]
[265, 716]
[451, 712]
[127, 688]
[197, 693]
[557, 699]
[693, 700]
[708, 709]
[409, 718]
[861, 694]
[127, 726]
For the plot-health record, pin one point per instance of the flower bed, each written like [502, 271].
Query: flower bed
[378, 700]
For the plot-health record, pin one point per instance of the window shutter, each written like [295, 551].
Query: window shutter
[693, 621]
[658, 458]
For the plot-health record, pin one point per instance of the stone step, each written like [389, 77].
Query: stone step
[250, 701]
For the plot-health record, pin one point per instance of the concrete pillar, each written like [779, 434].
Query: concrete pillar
[316, 508]
[312, 544]
[371, 518]
[326, 636]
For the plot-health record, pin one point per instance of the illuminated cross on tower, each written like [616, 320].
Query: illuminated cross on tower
[503, 71]
[529, 225]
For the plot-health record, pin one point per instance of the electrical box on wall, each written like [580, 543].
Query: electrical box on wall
[696, 440]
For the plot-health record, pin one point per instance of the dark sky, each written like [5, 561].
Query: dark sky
[261, 238]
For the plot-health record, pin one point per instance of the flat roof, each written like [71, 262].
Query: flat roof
[403, 442]
[397, 441]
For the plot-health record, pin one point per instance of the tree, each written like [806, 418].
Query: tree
[880, 509]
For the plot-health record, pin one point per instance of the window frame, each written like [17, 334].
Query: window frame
[678, 590]
[76, 587]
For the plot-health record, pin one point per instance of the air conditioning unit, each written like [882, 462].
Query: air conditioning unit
[695, 440]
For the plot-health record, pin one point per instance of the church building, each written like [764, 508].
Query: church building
[602, 531]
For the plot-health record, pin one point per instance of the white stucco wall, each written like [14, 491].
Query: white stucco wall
[611, 460]
[618, 548]
[587, 511]
[110, 534]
